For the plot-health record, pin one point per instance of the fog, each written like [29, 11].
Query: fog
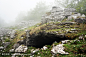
[9, 9]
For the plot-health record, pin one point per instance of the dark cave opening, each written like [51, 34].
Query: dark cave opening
[43, 39]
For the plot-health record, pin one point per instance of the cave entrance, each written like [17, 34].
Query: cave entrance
[44, 39]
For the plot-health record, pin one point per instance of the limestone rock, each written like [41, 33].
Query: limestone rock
[83, 16]
[1, 47]
[81, 38]
[58, 49]
[44, 48]
[80, 20]
[12, 35]
[85, 36]
[34, 51]
[65, 41]
[21, 48]
[11, 50]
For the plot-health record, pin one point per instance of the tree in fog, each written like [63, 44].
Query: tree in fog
[35, 13]
[21, 16]
[40, 9]
[79, 5]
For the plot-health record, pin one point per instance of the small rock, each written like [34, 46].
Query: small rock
[65, 41]
[38, 53]
[81, 38]
[1, 47]
[44, 48]
[12, 50]
[35, 51]
[31, 56]
[85, 36]
[32, 50]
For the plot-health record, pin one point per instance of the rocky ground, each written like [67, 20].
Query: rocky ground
[55, 39]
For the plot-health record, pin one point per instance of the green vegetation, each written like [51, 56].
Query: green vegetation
[79, 5]
[75, 48]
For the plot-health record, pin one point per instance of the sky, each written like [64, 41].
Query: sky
[9, 9]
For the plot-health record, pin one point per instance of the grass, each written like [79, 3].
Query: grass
[74, 48]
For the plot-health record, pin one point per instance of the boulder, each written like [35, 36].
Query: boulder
[79, 20]
[12, 35]
[83, 16]
[58, 49]
[21, 48]
[1, 47]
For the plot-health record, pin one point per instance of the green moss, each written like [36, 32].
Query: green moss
[7, 40]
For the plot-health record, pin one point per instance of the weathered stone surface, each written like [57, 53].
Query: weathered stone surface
[65, 41]
[83, 16]
[1, 47]
[81, 37]
[16, 45]
[64, 23]
[11, 50]
[12, 35]
[59, 49]
[21, 48]
[80, 20]
[4, 31]
[69, 10]
[44, 48]
[34, 51]
[56, 15]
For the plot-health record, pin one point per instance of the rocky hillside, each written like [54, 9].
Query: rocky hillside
[65, 38]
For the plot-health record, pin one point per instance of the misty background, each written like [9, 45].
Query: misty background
[16, 11]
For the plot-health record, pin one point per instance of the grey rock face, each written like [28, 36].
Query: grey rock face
[56, 15]
[21, 48]
[16, 46]
[69, 10]
[12, 35]
[4, 31]
[80, 20]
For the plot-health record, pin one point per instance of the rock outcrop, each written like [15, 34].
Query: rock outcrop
[21, 48]
[59, 49]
